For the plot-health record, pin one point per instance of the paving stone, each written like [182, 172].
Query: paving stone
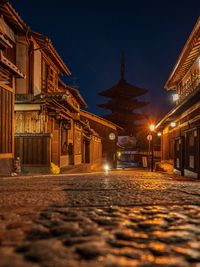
[129, 218]
[91, 250]
[129, 235]
[66, 229]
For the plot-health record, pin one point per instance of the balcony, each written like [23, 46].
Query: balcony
[189, 90]
[10, 66]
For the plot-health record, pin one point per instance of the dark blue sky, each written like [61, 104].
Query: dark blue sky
[90, 34]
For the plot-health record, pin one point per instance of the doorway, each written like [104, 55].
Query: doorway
[179, 155]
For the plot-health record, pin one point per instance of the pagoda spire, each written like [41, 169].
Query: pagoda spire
[122, 65]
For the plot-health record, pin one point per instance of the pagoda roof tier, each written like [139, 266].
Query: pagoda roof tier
[123, 104]
[120, 118]
[123, 89]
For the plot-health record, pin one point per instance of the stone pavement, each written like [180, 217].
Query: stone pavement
[123, 218]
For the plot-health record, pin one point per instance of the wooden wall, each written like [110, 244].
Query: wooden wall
[6, 121]
[55, 147]
[29, 122]
[33, 149]
[95, 150]
[78, 139]
[109, 147]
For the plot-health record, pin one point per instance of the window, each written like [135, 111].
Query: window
[191, 149]
[191, 139]
[49, 77]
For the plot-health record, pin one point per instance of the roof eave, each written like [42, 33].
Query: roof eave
[48, 45]
[78, 95]
[94, 115]
[170, 84]
[75, 93]
[21, 25]
[60, 61]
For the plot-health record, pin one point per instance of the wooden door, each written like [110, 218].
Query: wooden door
[179, 154]
[191, 150]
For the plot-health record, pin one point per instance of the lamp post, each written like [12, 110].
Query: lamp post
[152, 129]
[149, 138]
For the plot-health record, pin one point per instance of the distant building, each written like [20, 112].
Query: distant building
[11, 27]
[181, 126]
[108, 132]
[123, 102]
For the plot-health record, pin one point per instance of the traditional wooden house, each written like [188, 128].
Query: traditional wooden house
[11, 28]
[45, 114]
[108, 131]
[47, 111]
[181, 126]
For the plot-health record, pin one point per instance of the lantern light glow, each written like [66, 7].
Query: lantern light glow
[152, 127]
[175, 97]
[173, 124]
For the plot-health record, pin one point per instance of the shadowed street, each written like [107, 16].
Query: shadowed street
[123, 218]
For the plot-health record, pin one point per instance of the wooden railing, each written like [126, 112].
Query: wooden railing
[192, 87]
[49, 86]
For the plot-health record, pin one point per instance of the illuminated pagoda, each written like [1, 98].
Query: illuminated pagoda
[123, 103]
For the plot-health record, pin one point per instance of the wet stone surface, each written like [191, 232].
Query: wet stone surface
[96, 220]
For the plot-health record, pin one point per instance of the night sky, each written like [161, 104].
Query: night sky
[90, 34]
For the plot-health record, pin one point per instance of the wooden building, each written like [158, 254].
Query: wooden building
[108, 132]
[47, 112]
[11, 28]
[181, 126]
[41, 120]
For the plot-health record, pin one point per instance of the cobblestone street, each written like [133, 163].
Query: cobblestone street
[123, 218]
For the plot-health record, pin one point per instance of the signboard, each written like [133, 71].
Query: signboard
[149, 137]
[144, 162]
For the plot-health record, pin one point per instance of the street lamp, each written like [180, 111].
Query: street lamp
[175, 97]
[173, 124]
[152, 129]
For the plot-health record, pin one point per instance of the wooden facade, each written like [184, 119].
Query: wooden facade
[181, 140]
[108, 132]
[11, 25]
[40, 116]
[47, 112]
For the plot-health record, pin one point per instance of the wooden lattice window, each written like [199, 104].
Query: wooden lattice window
[52, 79]
[49, 77]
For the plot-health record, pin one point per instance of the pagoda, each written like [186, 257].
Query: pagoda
[123, 103]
